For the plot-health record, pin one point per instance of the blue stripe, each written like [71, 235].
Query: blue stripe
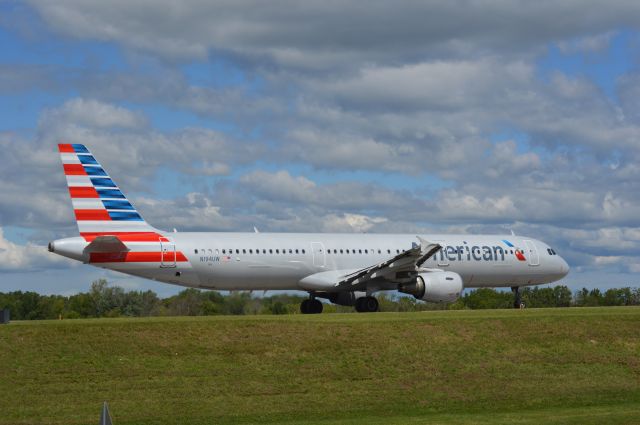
[78, 148]
[112, 204]
[87, 159]
[125, 216]
[110, 193]
[95, 171]
[509, 244]
[97, 181]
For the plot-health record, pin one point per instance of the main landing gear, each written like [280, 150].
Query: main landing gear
[311, 306]
[367, 305]
[363, 304]
[517, 301]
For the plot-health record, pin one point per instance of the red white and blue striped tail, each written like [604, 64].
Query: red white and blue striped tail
[99, 205]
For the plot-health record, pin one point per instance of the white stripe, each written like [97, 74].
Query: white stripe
[113, 226]
[69, 158]
[87, 204]
[79, 181]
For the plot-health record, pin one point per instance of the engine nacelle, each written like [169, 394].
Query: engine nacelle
[435, 287]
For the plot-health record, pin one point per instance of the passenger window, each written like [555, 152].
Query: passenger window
[303, 251]
[341, 252]
[359, 251]
[270, 251]
[217, 251]
[277, 251]
[237, 251]
[388, 251]
[195, 251]
[251, 251]
[290, 251]
[210, 251]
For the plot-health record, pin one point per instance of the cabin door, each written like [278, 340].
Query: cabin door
[532, 253]
[168, 252]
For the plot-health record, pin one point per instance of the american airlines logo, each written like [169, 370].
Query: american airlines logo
[468, 252]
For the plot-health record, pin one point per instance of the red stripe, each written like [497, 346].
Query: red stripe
[180, 257]
[65, 147]
[126, 236]
[134, 257]
[74, 170]
[83, 192]
[92, 215]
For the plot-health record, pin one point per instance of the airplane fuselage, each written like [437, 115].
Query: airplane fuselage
[279, 261]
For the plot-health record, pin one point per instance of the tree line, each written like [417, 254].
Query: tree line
[104, 300]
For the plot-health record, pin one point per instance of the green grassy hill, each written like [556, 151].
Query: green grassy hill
[579, 366]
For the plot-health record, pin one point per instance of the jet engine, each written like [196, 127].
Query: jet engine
[435, 287]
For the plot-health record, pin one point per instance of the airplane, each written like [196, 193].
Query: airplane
[346, 269]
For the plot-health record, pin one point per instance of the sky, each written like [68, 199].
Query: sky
[405, 116]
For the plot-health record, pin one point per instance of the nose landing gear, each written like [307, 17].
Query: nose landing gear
[517, 301]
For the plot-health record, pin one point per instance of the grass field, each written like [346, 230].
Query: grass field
[556, 366]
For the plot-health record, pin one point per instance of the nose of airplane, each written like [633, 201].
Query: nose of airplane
[564, 267]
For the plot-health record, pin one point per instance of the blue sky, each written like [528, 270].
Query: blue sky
[525, 118]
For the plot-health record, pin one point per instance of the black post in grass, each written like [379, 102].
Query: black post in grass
[105, 417]
[5, 316]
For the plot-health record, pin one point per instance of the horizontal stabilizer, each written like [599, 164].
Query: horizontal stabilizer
[106, 244]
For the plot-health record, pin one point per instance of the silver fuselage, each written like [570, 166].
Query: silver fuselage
[279, 261]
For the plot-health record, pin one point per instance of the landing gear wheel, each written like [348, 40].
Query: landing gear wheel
[367, 305]
[311, 306]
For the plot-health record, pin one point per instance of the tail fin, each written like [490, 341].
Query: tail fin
[99, 205]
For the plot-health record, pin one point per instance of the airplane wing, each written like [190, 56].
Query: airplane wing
[398, 268]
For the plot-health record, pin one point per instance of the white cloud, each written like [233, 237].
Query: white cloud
[93, 114]
[297, 37]
[26, 258]
[350, 223]
[593, 43]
